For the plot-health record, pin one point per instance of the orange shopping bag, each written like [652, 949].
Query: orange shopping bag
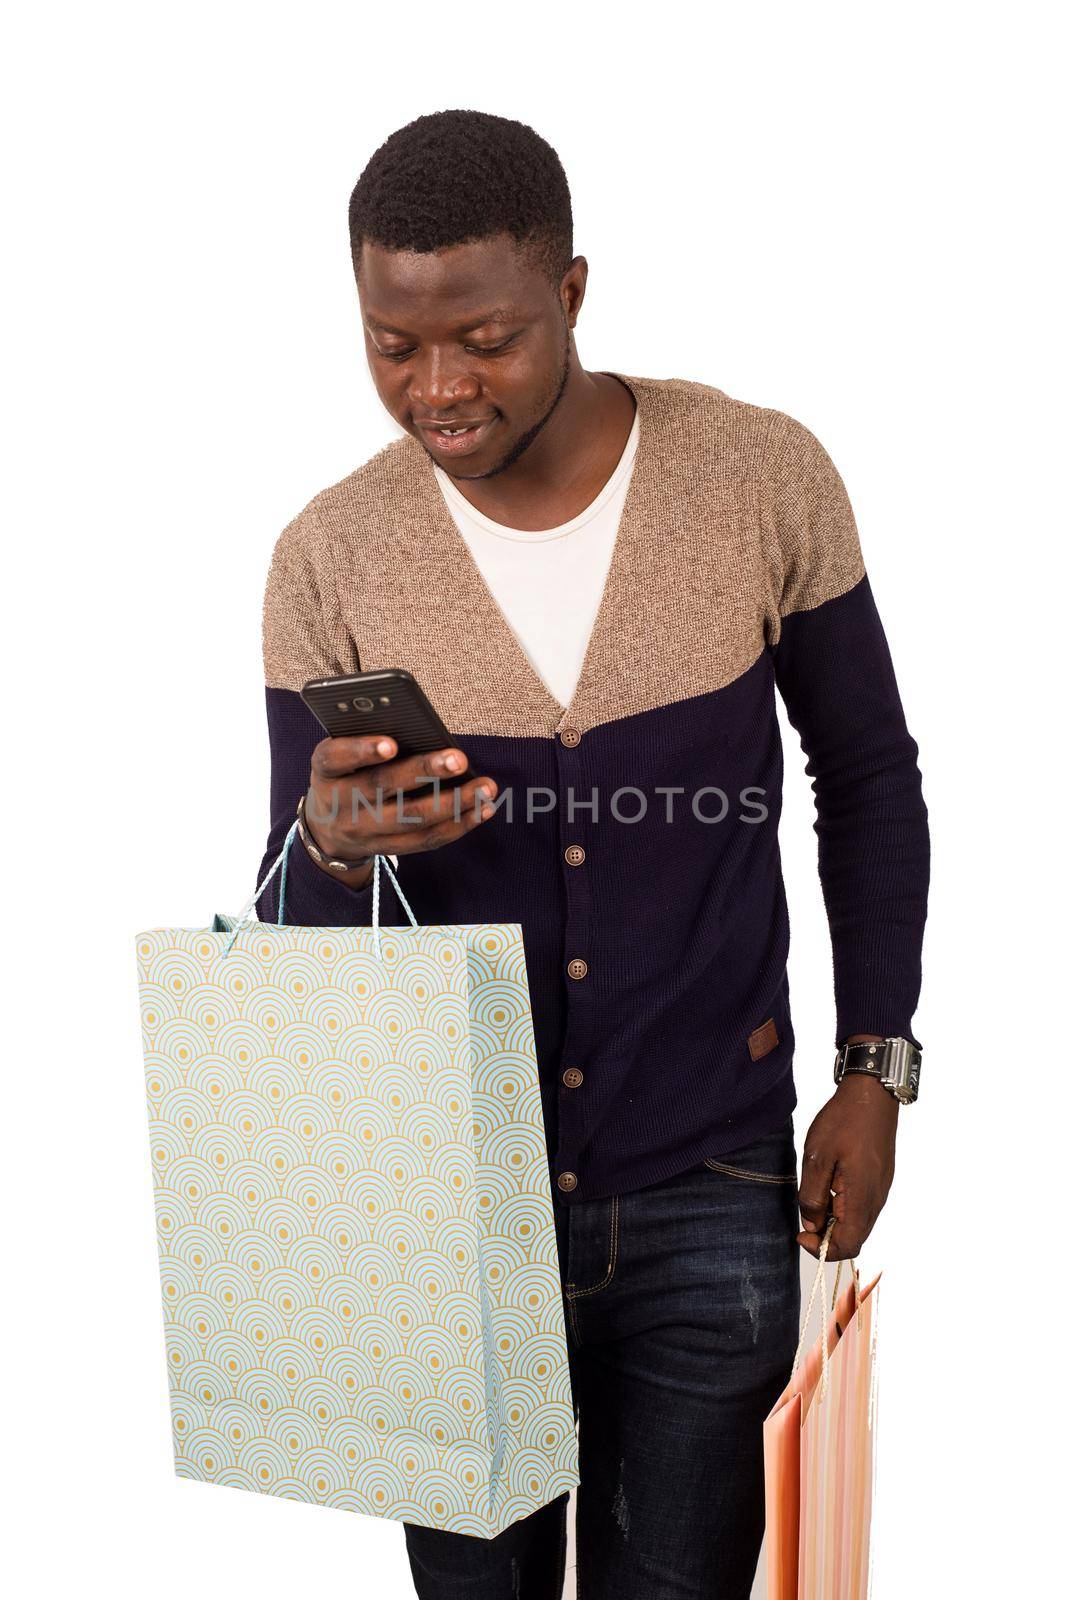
[819, 1452]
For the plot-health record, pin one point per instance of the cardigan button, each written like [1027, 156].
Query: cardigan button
[570, 737]
[567, 1181]
[573, 1077]
[577, 968]
[574, 855]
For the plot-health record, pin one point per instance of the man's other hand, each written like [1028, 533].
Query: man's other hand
[848, 1165]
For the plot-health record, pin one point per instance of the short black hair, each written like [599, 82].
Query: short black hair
[453, 176]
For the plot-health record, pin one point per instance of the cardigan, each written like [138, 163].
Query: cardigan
[635, 833]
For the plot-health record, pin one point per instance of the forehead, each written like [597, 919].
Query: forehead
[487, 279]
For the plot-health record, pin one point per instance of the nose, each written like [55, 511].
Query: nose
[439, 381]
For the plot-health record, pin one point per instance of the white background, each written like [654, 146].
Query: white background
[844, 212]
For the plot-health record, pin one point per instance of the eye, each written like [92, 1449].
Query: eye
[491, 349]
[394, 355]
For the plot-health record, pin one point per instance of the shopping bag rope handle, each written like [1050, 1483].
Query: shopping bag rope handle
[281, 864]
[384, 861]
[819, 1283]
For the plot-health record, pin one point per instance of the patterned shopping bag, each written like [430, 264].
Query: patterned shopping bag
[358, 1259]
[819, 1452]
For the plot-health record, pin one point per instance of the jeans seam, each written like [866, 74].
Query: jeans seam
[594, 1288]
[754, 1177]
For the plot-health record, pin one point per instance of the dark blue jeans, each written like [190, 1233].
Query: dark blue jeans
[682, 1306]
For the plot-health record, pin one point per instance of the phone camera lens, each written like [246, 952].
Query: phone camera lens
[363, 704]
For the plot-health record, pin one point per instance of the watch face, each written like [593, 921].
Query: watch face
[906, 1083]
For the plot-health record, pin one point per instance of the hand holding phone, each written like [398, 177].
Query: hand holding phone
[368, 789]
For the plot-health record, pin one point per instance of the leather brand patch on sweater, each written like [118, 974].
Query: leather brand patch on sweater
[763, 1039]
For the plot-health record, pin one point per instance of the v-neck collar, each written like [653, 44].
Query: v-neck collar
[465, 511]
[500, 643]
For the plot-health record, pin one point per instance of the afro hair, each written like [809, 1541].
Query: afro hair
[454, 176]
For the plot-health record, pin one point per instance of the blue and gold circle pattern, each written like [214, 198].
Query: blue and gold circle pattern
[357, 1255]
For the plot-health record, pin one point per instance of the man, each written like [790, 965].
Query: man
[599, 581]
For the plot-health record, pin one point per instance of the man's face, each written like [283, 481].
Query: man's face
[468, 347]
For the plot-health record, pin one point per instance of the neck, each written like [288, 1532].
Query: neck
[568, 463]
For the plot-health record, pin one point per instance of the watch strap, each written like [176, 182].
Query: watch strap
[894, 1061]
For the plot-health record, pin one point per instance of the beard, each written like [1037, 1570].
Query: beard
[525, 440]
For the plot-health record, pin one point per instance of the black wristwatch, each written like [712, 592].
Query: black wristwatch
[895, 1062]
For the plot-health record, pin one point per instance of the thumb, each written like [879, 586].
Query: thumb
[814, 1195]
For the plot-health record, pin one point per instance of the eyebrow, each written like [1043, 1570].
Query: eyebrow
[498, 314]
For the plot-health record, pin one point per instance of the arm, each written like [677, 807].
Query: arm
[362, 798]
[836, 678]
[314, 897]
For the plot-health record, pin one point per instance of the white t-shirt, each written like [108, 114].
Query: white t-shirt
[548, 584]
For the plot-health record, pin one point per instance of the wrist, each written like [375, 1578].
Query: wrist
[890, 1060]
[356, 877]
[861, 1090]
[354, 874]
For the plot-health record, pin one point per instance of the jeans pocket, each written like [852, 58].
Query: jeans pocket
[771, 1159]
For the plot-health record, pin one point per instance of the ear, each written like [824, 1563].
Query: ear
[573, 289]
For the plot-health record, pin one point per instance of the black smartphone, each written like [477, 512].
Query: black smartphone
[390, 701]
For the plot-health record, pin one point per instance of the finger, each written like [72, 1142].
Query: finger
[425, 811]
[408, 778]
[415, 772]
[442, 833]
[340, 758]
[813, 1198]
[851, 1211]
[371, 786]
[812, 1239]
[433, 821]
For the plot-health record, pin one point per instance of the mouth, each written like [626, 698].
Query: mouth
[455, 438]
